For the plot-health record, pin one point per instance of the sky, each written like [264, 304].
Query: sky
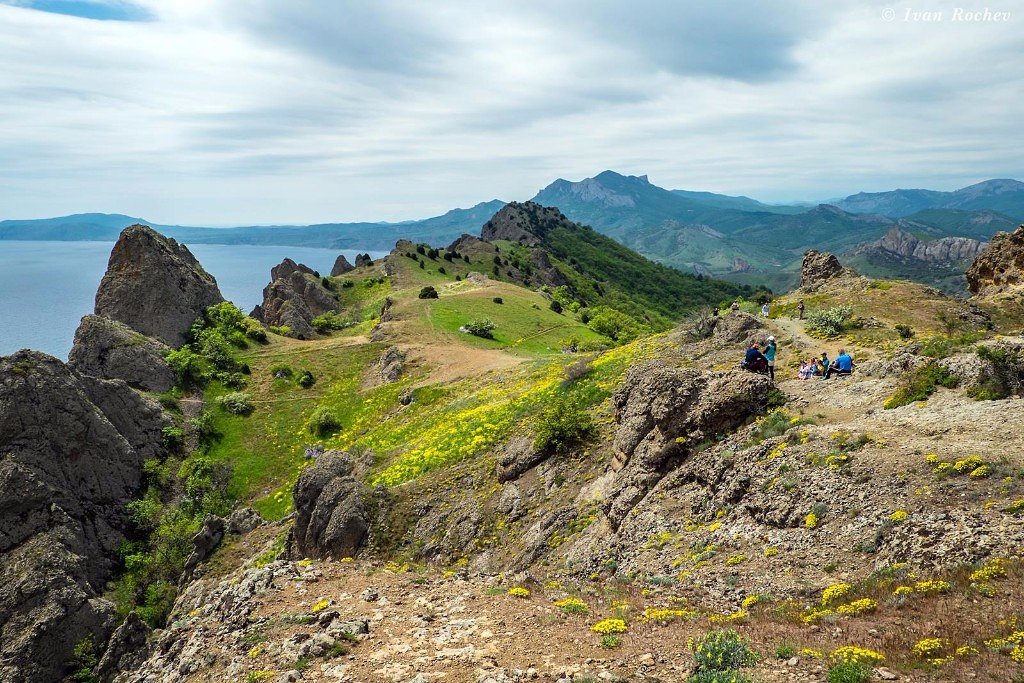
[217, 112]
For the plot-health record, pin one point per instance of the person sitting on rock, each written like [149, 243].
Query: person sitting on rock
[807, 368]
[822, 365]
[755, 360]
[735, 308]
[842, 365]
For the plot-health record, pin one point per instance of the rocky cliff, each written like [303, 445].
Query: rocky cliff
[109, 349]
[155, 286]
[818, 268]
[947, 250]
[1000, 269]
[293, 298]
[71, 455]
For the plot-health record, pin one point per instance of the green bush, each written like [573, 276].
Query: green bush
[919, 384]
[281, 371]
[849, 672]
[323, 422]
[236, 403]
[305, 379]
[829, 322]
[480, 328]
[1007, 377]
[556, 306]
[174, 437]
[427, 292]
[719, 677]
[84, 659]
[190, 369]
[905, 331]
[613, 324]
[564, 423]
[722, 651]
[498, 300]
[325, 322]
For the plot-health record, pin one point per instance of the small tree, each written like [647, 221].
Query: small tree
[481, 328]
[428, 292]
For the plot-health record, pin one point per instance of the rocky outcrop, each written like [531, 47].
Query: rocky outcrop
[244, 520]
[155, 286]
[112, 350]
[662, 412]
[71, 455]
[737, 328]
[293, 298]
[125, 650]
[363, 260]
[1000, 269]
[331, 515]
[518, 457]
[391, 364]
[944, 251]
[341, 266]
[203, 543]
[519, 222]
[818, 268]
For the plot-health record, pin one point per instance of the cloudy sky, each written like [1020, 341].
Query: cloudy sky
[217, 112]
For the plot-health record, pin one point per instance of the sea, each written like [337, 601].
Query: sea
[46, 287]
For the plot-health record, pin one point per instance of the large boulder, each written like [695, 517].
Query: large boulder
[293, 298]
[1000, 268]
[155, 286]
[331, 515]
[112, 350]
[662, 412]
[818, 268]
[71, 454]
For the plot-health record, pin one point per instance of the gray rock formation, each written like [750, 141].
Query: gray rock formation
[662, 412]
[126, 648]
[203, 543]
[155, 286]
[293, 298]
[515, 223]
[391, 364]
[331, 516]
[341, 266]
[518, 457]
[737, 328]
[243, 520]
[112, 350]
[818, 268]
[1000, 268]
[363, 260]
[71, 455]
[946, 251]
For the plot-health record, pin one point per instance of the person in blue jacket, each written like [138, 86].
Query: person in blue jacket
[770, 349]
[842, 365]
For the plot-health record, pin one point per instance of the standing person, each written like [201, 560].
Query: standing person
[770, 349]
[800, 308]
[735, 308]
[765, 309]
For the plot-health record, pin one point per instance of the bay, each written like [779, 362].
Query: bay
[46, 287]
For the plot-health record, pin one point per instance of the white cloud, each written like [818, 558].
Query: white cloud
[224, 111]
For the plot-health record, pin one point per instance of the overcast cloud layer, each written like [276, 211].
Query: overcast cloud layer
[297, 111]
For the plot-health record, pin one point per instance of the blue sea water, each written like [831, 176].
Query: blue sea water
[46, 287]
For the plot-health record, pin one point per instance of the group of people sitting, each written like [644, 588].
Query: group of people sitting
[821, 367]
[763, 362]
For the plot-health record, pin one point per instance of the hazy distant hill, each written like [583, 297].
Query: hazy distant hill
[1003, 195]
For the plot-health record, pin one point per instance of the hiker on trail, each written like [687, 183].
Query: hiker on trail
[770, 349]
[755, 360]
[842, 365]
[765, 308]
[735, 308]
[800, 308]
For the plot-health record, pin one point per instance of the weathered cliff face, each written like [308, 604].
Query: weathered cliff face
[293, 298]
[1000, 269]
[71, 455]
[331, 516]
[516, 223]
[818, 268]
[947, 250]
[112, 350]
[155, 286]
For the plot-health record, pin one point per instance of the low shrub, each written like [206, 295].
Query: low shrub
[722, 651]
[305, 379]
[323, 422]
[1007, 377]
[236, 403]
[326, 322]
[480, 328]
[498, 300]
[829, 322]
[905, 331]
[427, 292]
[919, 384]
[281, 371]
[849, 672]
[556, 306]
[564, 423]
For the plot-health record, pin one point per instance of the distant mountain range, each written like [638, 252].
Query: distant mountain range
[738, 238]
